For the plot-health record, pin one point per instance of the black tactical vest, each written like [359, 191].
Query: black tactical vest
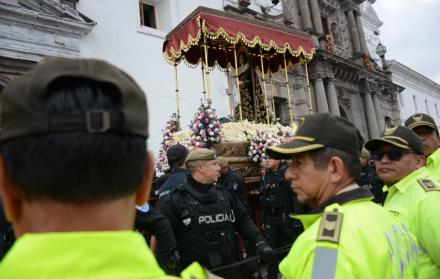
[276, 195]
[206, 233]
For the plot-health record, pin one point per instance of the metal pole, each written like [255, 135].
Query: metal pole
[237, 80]
[208, 80]
[288, 91]
[271, 95]
[203, 83]
[177, 94]
[264, 86]
[229, 91]
[308, 88]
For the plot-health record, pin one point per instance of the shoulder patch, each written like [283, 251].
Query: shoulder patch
[428, 185]
[330, 227]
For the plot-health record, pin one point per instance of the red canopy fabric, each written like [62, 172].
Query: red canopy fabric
[223, 31]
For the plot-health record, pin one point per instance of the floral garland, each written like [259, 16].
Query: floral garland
[205, 128]
[167, 141]
[259, 144]
[246, 131]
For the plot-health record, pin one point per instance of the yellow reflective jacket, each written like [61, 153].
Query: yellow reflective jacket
[355, 238]
[433, 164]
[82, 255]
[415, 200]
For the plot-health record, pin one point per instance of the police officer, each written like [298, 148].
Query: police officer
[346, 235]
[150, 221]
[368, 177]
[176, 156]
[205, 217]
[73, 164]
[278, 201]
[413, 196]
[232, 180]
[424, 126]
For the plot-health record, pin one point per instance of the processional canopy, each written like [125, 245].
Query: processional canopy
[221, 32]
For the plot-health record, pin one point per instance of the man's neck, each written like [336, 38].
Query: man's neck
[330, 192]
[49, 216]
[200, 179]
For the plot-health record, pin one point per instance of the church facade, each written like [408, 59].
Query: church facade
[344, 80]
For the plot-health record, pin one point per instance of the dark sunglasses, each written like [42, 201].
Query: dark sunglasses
[393, 154]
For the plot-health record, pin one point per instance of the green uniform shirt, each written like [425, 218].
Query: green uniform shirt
[418, 209]
[371, 243]
[433, 164]
[97, 255]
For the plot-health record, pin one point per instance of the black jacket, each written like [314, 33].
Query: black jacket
[204, 220]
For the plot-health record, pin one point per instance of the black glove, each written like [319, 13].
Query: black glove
[264, 251]
[171, 264]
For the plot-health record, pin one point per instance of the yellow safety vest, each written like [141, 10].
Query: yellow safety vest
[415, 200]
[433, 164]
[358, 239]
[82, 255]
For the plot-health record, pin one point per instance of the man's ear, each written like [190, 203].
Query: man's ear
[420, 160]
[337, 168]
[143, 194]
[11, 196]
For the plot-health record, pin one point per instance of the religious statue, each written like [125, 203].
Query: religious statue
[252, 97]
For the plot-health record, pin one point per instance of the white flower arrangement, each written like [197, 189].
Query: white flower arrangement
[246, 131]
[205, 128]
[167, 141]
[259, 144]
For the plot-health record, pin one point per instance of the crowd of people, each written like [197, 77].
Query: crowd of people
[76, 176]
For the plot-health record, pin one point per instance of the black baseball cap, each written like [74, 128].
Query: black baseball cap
[176, 153]
[420, 119]
[399, 136]
[317, 131]
[24, 111]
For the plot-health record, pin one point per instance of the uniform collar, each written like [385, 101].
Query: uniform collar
[433, 158]
[345, 197]
[402, 185]
[356, 194]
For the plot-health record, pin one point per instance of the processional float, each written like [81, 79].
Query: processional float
[214, 38]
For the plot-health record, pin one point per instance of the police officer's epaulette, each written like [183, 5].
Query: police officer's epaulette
[330, 226]
[428, 185]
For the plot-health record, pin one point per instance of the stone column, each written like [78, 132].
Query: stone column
[362, 39]
[332, 98]
[354, 32]
[305, 15]
[290, 10]
[316, 17]
[371, 116]
[379, 113]
[321, 98]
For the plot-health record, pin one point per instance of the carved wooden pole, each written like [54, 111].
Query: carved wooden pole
[237, 80]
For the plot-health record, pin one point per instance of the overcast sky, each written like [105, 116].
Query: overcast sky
[411, 33]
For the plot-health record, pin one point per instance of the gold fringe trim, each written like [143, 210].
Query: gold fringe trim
[422, 123]
[396, 138]
[297, 149]
[303, 138]
[393, 143]
[176, 55]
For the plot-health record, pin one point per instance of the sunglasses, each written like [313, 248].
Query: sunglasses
[393, 154]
